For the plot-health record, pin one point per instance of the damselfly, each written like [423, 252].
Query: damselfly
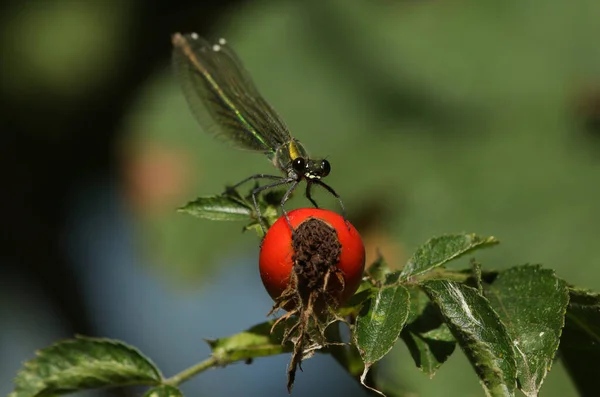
[225, 101]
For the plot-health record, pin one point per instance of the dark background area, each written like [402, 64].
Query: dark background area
[53, 141]
[437, 117]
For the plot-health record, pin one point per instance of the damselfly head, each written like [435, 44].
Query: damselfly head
[311, 169]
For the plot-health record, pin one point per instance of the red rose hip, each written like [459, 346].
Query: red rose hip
[344, 247]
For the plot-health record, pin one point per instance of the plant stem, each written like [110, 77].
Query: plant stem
[192, 371]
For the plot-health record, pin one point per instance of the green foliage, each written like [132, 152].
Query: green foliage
[534, 325]
[257, 341]
[418, 85]
[440, 250]
[427, 337]
[380, 322]
[479, 332]
[580, 341]
[164, 391]
[509, 325]
[84, 363]
[232, 206]
[217, 208]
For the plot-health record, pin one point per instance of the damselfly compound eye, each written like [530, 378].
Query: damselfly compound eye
[299, 165]
[325, 168]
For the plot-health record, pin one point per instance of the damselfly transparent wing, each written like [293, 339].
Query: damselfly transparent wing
[223, 97]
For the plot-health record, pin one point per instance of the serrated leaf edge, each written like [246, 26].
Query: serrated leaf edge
[486, 242]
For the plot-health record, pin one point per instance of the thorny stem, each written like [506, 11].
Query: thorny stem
[333, 334]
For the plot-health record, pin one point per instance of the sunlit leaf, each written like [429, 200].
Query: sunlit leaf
[218, 208]
[379, 324]
[84, 363]
[479, 332]
[164, 391]
[254, 342]
[531, 302]
[440, 250]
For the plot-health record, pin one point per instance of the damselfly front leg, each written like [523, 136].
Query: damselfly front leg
[330, 190]
[256, 191]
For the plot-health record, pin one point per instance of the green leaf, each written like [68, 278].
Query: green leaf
[254, 342]
[256, 227]
[353, 306]
[84, 363]
[379, 270]
[219, 208]
[580, 342]
[164, 391]
[479, 332]
[428, 339]
[379, 324]
[531, 302]
[380, 321]
[477, 275]
[440, 250]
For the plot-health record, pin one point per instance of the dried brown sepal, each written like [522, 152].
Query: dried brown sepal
[311, 292]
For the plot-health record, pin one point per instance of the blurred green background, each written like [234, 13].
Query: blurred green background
[437, 117]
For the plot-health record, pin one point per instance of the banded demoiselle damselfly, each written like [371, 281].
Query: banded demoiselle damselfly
[225, 101]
